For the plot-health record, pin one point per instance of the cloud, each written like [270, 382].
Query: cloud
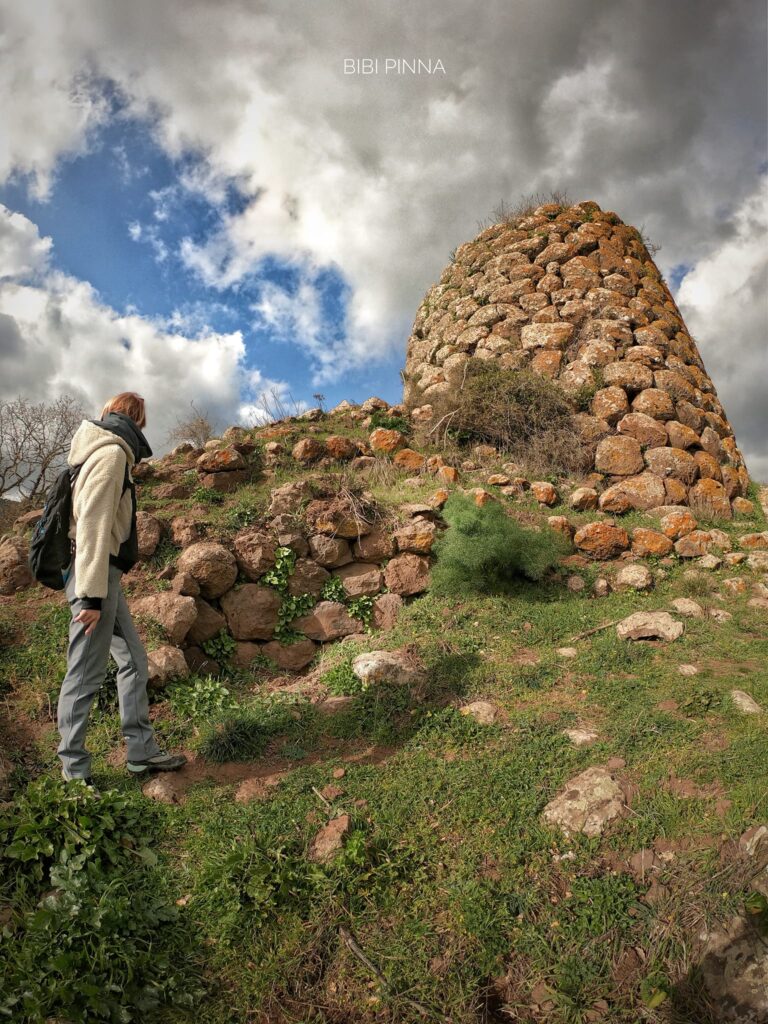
[57, 337]
[22, 251]
[724, 300]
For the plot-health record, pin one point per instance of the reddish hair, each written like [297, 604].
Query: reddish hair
[131, 404]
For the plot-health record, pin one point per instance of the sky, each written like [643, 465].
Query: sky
[198, 203]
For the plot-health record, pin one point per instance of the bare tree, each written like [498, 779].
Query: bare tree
[197, 428]
[34, 443]
[274, 405]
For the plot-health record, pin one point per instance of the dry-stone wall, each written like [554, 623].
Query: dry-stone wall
[573, 294]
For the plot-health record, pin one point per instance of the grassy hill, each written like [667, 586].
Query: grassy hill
[442, 894]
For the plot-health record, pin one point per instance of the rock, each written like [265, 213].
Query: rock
[720, 615]
[687, 670]
[681, 436]
[220, 460]
[710, 562]
[583, 499]
[743, 507]
[148, 533]
[329, 841]
[337, 518]
[28, 519]
[601, 540]
[645, 429]
[307, 578]
[163, 787]
[361, 579]
[330, 552]
[166, 663]
[408, 459]
[745, 703]
[634, 577]
[754, 541]
[734, 969]
[688, 608]
[290, 657]
[184, 531]
[174, 613]
[650, 543]
[387, 441]
[735, 585]
[587, 803]
[644, 491]
[308, 450]
[544, 492]
[619, 456]
[672, 462]
[709, 499]
[575, 584]
[254, 552]
[567, 652]
[548, 336]
[14, 569]
[341, 448]
[386, 608]
[374, 547]
[251, 611]
[483, 712]
[185, 585]
[678, 524]
[601, 587]
[289, 497]
[561, 525]
[201, 663]
[211, 564]
[328, 620]
[580, 737]
[245, 654]
[391, 667]
[207, 625]
[734, 558]
[407, 574]
[417, 536]
[758, 560]
[609, 405]
[335, 705]
[694, 544]
[649, 626]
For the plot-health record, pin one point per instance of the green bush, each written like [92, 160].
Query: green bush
[485, 550]
[201, 700]
[381, 419]
[243, 733]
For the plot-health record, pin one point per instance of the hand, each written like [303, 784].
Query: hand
[89, 616]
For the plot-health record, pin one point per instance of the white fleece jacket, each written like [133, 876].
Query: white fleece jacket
[101, 512]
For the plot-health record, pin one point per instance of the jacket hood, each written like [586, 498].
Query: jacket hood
[88, 437]
[125, 428]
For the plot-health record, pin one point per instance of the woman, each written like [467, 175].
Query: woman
[103, 531]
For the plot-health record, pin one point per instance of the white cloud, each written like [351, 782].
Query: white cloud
[22, 250]
[724, 300]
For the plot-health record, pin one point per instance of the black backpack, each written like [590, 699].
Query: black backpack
[50, 549]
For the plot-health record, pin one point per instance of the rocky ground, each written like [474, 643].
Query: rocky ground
[543, 805]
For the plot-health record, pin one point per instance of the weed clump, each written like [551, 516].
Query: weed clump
[517, 411]
[485, 550]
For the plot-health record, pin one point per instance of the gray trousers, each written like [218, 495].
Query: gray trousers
[87, 659]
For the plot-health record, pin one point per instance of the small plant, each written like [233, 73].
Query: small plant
[342, 681]
[291, 607]
[333, 590]
[243, 514]
[220, 647]
[484, 549]
[203, 700]
[278, 575]
[381, 419]
[362, 608]
[207, 495]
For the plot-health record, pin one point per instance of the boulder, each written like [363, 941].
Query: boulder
[544, 492]
[482, 711]
[583, 499]
[207, 625]
[166, 663]
[609, 405]
[654, 403]
[693, 544]
[328, 620]
[290, 657]
[408, 459]
[688, 608]
[650, 543]
[330, 552]
[601, 540]
[561, 525]
[374, 547]
[185, 585]
[407, 573]
[201, 663]
[734, 969]
[645, 429]
[681, 436]
[14, 569]
[678, 524]
[672, 462]
[418, 536]
[644, 491]
[587, 803]
[308, 450]
[251, 611]
[336, 518]
[754, 541]
[393, 667]
[548, 336]
[619, 456]
[361, 579]
[220, 460]
[174, 613]
[649, 626]
[184, 531]
[633, 577]
[149, 530]
[288, 497]
[709, 499]
[386, 441]
[341, 448]
[745, 703]
[386, 608]
[307, 578]
[211, 564]
[254, 552]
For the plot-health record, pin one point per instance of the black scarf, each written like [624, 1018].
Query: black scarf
[122, 425]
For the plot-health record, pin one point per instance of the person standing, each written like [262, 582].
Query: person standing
[104, 546]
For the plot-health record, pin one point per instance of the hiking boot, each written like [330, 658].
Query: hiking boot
[161, 762]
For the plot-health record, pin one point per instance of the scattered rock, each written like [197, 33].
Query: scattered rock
[687, 670]
[587, 803]
[393, 667]
[386, 441]
[583, 499]
[407, 574]
[14, 569]
[634, 577]
[601, 540]
[208, 623]
[734, 968]
[650, 543]
[166, 663]
[417, 536]
[164, 788]
[483, 712]
[329, 840]
[308, 450]
[544, 492]
[149, 530]
[211, 564]
[688, 608]
[580, 737]
[567, 652]
[649, 626]
[254, 552]
[289, 497]
[361, 579]
[174, 613]
[745, 703]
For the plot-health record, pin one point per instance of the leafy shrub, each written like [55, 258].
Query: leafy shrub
[204, 699]
[207, 495]
[333, 590]
[484, 549]
[381, 419]
[278, 575]
[291, 607]
[342, 681]
[220, 647]
[519, 412]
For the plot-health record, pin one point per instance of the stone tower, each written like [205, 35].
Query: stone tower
[572, 293]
